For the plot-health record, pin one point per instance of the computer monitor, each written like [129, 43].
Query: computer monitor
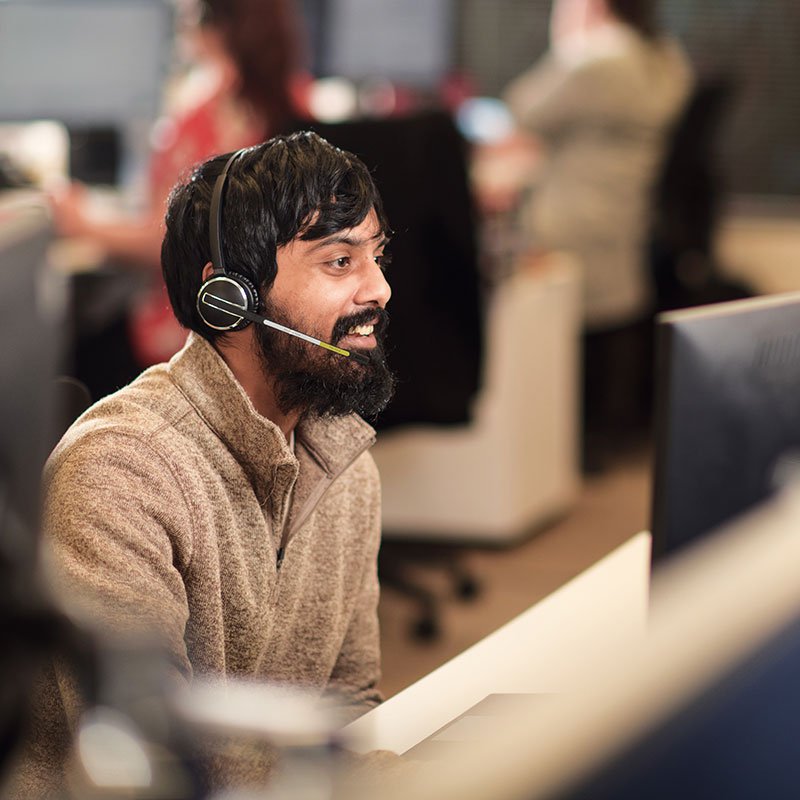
[32, 306]
[727, 413]
[86, 63]
[405, 41]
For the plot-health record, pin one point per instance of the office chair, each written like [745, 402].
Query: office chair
[397, 561]
[686, 206]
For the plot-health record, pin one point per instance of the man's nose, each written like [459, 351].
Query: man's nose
[374, 288]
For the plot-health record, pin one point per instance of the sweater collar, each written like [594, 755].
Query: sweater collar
[256, 442]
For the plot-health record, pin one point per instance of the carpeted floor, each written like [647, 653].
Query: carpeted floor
[611, 507]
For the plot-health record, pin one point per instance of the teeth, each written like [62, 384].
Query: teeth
[361, 330]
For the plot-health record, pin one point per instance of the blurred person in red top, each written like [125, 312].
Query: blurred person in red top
[247, 84]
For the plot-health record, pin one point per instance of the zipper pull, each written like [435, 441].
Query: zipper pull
[281, 552]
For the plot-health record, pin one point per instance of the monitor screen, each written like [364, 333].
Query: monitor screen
[83, 62]
[727, 413]
[405, 41]
[32, 307]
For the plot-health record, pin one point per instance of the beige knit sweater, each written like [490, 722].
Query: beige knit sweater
[167, 505]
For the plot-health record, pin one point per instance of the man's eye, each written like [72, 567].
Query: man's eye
[383, 260]
[340, 262]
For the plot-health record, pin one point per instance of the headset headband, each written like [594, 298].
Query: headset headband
[215, 213]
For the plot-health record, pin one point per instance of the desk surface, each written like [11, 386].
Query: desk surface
[543, 650]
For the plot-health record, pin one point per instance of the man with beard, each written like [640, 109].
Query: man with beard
[226, 500]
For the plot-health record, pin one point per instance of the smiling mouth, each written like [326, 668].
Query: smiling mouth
[361, 330]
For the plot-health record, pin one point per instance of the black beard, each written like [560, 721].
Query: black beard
[313, 380]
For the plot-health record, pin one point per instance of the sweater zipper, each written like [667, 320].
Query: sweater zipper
[282, 547]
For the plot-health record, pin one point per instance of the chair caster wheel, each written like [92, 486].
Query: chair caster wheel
[468, 589]
[425, 629]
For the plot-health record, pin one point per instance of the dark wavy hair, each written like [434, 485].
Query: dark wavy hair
[290, 186]
[263, 37]
[641, 15]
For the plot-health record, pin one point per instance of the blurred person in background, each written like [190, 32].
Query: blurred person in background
[601, 104]
[246, 85]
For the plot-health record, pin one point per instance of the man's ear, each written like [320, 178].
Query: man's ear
[208, 271]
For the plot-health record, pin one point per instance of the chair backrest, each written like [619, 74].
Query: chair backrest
[686, 204]
[687, 193]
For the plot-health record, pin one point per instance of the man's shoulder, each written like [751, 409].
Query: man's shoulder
[139, 416]
[364, 467]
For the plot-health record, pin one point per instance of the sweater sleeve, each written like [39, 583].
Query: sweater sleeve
[118, 532]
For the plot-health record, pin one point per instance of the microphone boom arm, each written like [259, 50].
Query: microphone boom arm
[234, 309]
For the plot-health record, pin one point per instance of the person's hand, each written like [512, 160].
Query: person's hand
[496, 200]
[501, 172]
[69, 208]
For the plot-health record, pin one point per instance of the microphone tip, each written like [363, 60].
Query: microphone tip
[360, 358]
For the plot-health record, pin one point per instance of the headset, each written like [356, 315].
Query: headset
[228, 301]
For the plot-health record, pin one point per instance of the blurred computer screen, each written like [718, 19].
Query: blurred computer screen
[727, 413]
[32, 308]
[406, 41]
[96, 66]
[83, 62]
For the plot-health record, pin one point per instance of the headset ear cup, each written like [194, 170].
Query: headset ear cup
[253, 297]
[232, 288]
